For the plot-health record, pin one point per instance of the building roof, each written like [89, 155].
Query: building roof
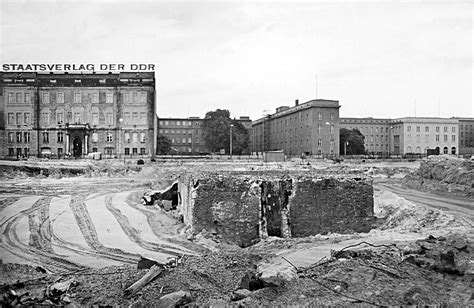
[77, 79]
[316, 103]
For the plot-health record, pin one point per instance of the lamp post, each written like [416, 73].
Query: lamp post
[230, 133]
[120, 139]
[389, 140]
[330, 145]
[346, 143]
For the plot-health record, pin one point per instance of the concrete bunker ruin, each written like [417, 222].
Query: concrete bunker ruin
[244, 207]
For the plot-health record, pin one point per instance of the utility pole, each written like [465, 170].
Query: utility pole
[231, 125]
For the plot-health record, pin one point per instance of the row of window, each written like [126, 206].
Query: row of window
[19, 98]
[377, 146]
[25, 137]
[427, 129]
[18, 118]
[128, 97]
[131, 118]
[184, 140]
[177, 131]
[134, 151]
[19, 137]
[26, 151]
[466, 126]
[128, 137]
[177, 123]
[427, 138]
[19, 152]
[320, 143]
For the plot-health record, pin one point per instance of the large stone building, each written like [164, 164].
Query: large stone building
[466, 135]
[376, 132]
[60, 114]
[310, 128]
[414, 135]
[186, 133]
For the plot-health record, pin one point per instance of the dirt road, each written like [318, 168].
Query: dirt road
[459, 207]
[72, 225]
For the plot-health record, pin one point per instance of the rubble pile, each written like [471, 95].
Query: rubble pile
[444, 173]
[398, 214]
[363, 273]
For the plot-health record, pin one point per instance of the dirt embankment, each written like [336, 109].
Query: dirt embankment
[444, 174]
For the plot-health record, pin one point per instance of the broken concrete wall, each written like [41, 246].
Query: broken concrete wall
[244, 207]
[221, 203]
[325, 205]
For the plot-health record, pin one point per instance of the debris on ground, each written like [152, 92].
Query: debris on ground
[444, 174]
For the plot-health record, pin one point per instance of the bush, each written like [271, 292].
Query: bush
[140, 162]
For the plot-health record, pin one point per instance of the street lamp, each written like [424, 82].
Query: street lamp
[231, 125]
[389, 140]
[346, 143]
[120, 139]
[330, 144]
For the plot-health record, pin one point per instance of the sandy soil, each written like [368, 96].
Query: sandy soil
[94, 225]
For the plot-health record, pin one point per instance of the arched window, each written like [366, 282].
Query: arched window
[409, 149]
[418, 150]
[445, 150]
[437, 150]
[453, 150]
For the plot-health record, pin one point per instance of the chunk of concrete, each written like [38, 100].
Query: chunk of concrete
[174, 299]
[240, 294]
[276, 272]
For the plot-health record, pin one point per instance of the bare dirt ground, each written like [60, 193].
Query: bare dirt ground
[91, 229]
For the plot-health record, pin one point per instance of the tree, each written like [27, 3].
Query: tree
[216, 132]
[354, 139]
[163, 144]
[240, 138]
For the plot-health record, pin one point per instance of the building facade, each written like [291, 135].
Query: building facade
[310, 128]
[186, 134]
[414, 135]
[64, 114]
[466, 135]
[376, 132]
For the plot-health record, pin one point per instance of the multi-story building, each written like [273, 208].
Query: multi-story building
[466, 135]
[417, 135]
[186, 133]
[310, 128]
[75, 114]
[376, 132]
[414, 135]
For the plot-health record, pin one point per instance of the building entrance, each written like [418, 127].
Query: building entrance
[77, 147]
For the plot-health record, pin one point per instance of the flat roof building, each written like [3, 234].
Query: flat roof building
[61, 114]
[186, 134]
[310, 128]
[415, 135]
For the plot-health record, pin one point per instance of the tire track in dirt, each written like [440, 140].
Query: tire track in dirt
[38, 221]
[134, 234]
[89, 232]
[4, 202]
[12, 243]
[433, 201]
[159, 229]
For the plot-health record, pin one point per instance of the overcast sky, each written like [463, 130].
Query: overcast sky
[379, 59]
